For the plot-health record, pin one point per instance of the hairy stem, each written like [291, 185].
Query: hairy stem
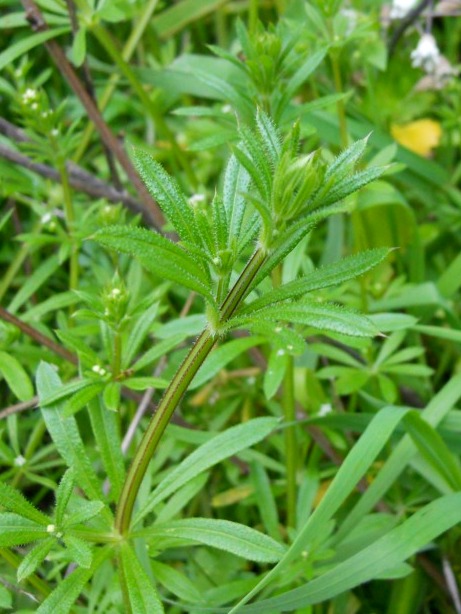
[174, 393]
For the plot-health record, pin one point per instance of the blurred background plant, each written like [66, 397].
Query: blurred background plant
[80, 83]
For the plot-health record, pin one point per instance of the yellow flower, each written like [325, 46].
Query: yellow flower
[420, 136]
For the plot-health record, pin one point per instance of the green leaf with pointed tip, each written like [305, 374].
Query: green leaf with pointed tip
[65, 433]
[106, 428]
[344, 163]
[80, 551]
[236, 184]
[253, 171]
[349, 185]
[221, 446]
[158, 255]
[86, 511]
[176, 582]
[224, 535]
[34, 558]
[18, 49]
[220, 224]
[269, 136]
[63, 494]
[142, 595]
[16, 377]
[16, 530]
[12, 500]
[329, 275]
[276, 367]
[433, 448]
[168, 194]
[324, 316]
[138, 333]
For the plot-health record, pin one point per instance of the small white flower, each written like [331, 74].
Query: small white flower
[401, 8]
[51, 528]
[19, 461]
[29, 95]
[195, 199]
[280, 352]
[226, 108]
[325, 409]
[278, 329]
[426, 55]
[55, 132]
[46, 217]
[251, 380]
[115, 292]
[290, 348]
[34, 106]
[98, 369]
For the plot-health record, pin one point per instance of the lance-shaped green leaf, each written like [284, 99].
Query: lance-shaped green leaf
[63, 494]
[329, 275]
[80, 552]
[236, 184]
[433, 449]
[220, 224]
[348, 185]
[16, 530]
[223, 535]
[269, 136]
[65, 433]
[142, 595]
[12, 500]
[16, 377]
[324, 316]
[232, 441]
[168, 194]
[158, 255]
[35, 557]
[343, 164]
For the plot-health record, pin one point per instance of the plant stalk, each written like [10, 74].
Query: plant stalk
[174, 393]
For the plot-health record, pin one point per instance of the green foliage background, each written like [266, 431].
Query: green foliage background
[200, 202]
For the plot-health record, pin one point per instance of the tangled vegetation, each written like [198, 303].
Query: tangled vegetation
[229, 319]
